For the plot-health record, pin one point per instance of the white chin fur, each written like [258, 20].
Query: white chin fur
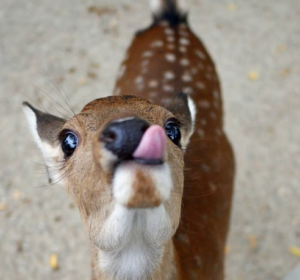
[125, 175]
[135, 239]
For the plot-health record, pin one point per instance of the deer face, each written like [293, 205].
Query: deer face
[117, 153]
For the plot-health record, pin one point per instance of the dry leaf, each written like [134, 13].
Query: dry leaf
[53, 261]
[252, 241]
[232, 7]
[2, 206]
[253, 75]
[295, 251]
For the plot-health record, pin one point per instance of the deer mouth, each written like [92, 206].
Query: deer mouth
[137, 185]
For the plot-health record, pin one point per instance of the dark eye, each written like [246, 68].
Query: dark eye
[69, 143]
[173, 132]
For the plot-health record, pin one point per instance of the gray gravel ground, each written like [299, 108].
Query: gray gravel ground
[60, 45]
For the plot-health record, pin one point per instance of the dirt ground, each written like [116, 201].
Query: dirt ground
[71, 47]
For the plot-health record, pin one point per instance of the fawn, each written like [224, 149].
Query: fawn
[150, 168]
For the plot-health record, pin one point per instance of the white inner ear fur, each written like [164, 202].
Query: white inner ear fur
[193, 112]
[133, 241]
[49, 152]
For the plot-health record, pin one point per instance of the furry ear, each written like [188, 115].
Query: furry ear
[45, 129]
[184, 109]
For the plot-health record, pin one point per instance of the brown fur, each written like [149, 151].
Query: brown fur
[205, 189]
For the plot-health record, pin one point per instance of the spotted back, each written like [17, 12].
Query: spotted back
[164, 63]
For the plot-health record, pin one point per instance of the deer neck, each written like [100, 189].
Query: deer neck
[146, 254]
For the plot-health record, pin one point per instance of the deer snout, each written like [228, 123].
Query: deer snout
[121, 137]
[134, 138]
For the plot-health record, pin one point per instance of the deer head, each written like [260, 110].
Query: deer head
[121, 159]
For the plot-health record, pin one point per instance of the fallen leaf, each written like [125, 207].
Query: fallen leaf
[16, 195]
[2, 206]
[232, 7]
[53, 261]
[295, 251]
[227, 250]
[253, 75]
[252, 241]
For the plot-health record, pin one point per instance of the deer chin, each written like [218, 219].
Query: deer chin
[137, 185]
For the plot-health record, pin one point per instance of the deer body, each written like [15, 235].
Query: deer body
[151, 212]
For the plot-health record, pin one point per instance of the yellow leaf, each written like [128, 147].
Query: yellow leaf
[227, 250]
[253, 75]
[232, 7]
[2, 206]
[295, 251]
[252, 241]
[53, 261]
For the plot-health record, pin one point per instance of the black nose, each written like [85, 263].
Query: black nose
[123, 136]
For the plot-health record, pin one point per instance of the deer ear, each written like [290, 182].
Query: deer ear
[184, 109]
[45, 129]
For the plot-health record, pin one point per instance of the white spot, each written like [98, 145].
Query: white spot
[147, 54]
[203, 122]
[183, 33]
[144, 63]
[200, 85]
[212, 186]
[168, 88]
[204, 104]
[184, 62]
[184, 41]
[170, 57]
[144, 70]
[219, 132]
[157, 44]
[169, 75]
[200, 132]
[171, 46]
[216, 104]
[213, 115]
[167, 101]
[164, 23]
[139, 80]
[200, 54]
[187, 90]
[153, 94]
[140, 87]
[170, 39]
[121, 71]
[200, 66]
[182, 49]
[153, 83]
[208, 76]
[182, 26]
[169, 31]
[216, 94]
[186, 77]
[194, 70]
[206, 168]
[209, 68]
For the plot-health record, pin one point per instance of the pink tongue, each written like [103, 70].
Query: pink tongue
[152, 145]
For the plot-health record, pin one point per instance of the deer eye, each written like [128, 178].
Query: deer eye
[173, 132]
[69, 142]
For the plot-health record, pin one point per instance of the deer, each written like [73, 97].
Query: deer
[150, 168]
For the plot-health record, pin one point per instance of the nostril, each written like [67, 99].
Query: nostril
[108, 136]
